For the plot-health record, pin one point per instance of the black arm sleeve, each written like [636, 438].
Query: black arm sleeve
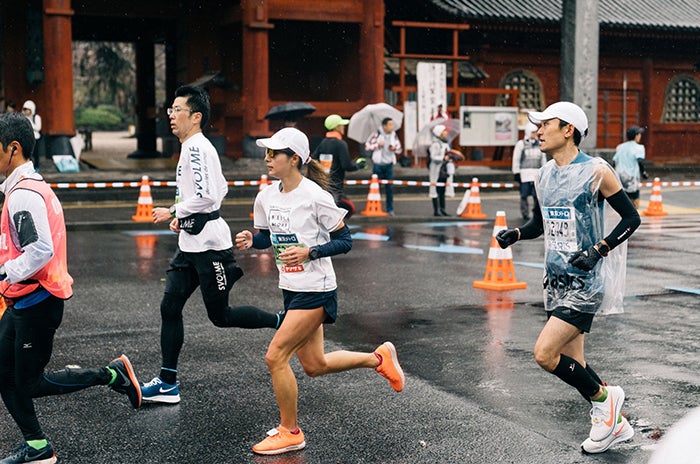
[535, 226]
[261, 239]
[341, 242]
[629, 221]
[642, 169]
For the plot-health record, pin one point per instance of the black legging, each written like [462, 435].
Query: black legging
[26, 343]
[214, 272]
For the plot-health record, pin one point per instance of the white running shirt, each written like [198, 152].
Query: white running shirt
[201, 187]
[303, 217]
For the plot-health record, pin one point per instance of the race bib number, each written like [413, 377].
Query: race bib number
[560, 228]
[281, 242]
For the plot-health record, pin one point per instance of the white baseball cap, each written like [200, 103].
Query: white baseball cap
[564, 111]
[438, 130]
[289, 137]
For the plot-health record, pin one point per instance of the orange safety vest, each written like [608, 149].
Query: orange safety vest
[53, 277]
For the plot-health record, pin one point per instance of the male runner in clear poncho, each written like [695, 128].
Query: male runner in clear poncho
[572, 190]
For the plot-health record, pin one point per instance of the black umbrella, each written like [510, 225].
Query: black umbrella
[290, 111]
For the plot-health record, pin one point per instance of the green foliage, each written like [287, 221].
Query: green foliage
[104, 74]
[102, 117]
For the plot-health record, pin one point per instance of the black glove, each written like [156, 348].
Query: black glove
[361, 163]
[517, 177]
[507, 237]
[642, 169]
[585, 259]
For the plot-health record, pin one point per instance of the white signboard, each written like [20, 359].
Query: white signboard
[410, 124]
[432, 89]
[488, 126]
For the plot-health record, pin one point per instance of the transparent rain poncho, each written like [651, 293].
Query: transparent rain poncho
[575, 219]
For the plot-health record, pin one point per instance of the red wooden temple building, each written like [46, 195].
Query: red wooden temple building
[340, 55]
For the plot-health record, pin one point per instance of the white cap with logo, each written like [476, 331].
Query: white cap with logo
[291, 138]
[564, 111]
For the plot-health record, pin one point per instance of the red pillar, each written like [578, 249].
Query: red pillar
[255, 99]
[372, 51]
[57, 109]
[645, 105]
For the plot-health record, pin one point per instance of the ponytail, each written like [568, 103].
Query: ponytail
[316, 173]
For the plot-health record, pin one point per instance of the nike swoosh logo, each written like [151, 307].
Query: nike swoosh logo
[167, 390]
[127, 381]
[612, 419]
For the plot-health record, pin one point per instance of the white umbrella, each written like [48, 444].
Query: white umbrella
[369, 119]
[425, 136]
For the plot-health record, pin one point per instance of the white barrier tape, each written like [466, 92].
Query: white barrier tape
[410, 183]
[419, 183]
[248, 183]
[674, 184]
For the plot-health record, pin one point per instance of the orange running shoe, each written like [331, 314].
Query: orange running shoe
[389, 366]
[280, 440]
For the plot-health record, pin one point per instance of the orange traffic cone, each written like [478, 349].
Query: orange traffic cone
[500, 273]
[656, 207]
[374, 199]
[261, 185]
[472, 208]
[144, 208]
[3, 307]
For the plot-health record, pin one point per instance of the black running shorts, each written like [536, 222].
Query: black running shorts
[582, 321]
[312, 300]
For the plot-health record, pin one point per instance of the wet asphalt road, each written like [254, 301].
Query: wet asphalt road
[474, 392]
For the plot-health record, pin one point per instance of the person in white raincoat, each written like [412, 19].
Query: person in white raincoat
[441, 169]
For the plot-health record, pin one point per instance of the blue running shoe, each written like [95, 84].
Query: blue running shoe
[25, 453]
[158, 391]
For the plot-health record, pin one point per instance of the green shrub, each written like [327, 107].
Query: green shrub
[103, 117]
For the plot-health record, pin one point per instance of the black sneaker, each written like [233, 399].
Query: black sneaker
[25, 453]
[126, 381]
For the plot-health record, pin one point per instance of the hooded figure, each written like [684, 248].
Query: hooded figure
[29, 110]
[441, 169]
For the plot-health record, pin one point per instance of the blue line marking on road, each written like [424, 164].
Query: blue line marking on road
[370, 237]
[452, 223]
[443, 248]
[535, 265]
[694, 291]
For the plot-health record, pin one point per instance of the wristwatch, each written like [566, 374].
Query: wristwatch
[602, 248]
[172, 211]
[314, 254]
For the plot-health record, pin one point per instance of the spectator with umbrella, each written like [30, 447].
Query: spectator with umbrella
[442, 168]
[433, 142]
[375, 125]
[385, 145]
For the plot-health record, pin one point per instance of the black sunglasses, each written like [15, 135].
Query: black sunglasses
[270, 153]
